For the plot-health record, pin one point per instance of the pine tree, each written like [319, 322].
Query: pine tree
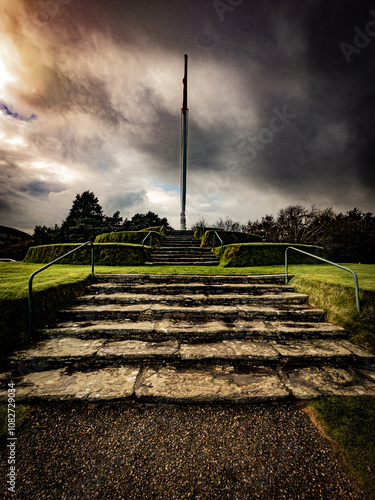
[85, 219]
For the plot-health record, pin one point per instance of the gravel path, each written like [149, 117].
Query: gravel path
[171, 452]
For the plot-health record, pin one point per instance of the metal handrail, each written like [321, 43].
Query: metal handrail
[328, 262]
[30, 292]
[221, 241]
[162, 231]
[144, 239]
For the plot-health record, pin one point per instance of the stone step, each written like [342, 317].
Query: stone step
[190, 339]
[139, 312]
[179, 257]
[191, 300]
[189, 288]
[89, 353]
[191, 278]
[185, 331]
[176, 251]
[171, 263]
[192, 385]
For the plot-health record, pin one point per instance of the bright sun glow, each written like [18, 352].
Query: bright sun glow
[61, 172]
[6, 76]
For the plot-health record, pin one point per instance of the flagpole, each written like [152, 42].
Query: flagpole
[184, 131]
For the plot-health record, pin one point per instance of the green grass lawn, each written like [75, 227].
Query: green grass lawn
[14, 276]
[349, 421]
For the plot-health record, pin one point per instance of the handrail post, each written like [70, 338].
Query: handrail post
[30, 285]
[213, 242]
[221, 243]
[92, 261]
[356, 286]
[286, 266]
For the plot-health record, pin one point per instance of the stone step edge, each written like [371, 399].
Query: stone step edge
[237, 288]
[197, 278]
[219, 384]
[100, 352]
[223, 299]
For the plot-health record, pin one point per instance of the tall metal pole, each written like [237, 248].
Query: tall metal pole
[184, 133]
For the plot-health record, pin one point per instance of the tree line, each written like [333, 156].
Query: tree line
[348, 237]
[86, 220]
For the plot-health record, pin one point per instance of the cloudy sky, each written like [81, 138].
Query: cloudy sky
[280, 96]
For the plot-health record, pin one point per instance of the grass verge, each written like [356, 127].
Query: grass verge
[349, 421]
[332, 290]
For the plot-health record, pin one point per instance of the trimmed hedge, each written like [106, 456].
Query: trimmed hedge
[132, 237]
[197, 231]
[156, 229]
[266, 254]
[228, 237]
[105, 254]
[14, 332]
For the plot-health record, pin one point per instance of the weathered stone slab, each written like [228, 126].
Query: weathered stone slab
[312, 382]
[219, 384]
[312, 349]
[61, 348]
[359, 352]
[105, 384]
[229, 349]
[137, 349]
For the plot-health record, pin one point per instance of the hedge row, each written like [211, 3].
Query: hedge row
[198, 231]
[132, 237]
[228, 237]
[157, 229]
[266, 254]
[14, 331]
[105, 254]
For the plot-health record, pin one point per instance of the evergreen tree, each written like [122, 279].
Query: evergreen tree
[85, 219]
[141, 221]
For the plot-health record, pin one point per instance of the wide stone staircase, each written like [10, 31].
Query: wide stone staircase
[190, 339]
[181, 248]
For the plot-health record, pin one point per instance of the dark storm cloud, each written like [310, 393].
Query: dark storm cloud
[127, 200]
[42, 189]
[89, 95]
[272, 97]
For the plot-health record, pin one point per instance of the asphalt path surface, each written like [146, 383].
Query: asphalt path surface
[171, 452]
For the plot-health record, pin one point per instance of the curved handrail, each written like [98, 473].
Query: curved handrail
[30, 289]
[144, 239]
[328, 262]
[162, 230]
[221, 241]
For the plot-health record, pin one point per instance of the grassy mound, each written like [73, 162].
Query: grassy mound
[228, 237]
[106, 254]
[198, 231]
[265, 254]
[14, 332]
[131, 237]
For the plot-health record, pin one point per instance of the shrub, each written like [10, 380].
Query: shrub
[228, 237]
[106, 254]
[266, 254]
[157, 229]
[198, 231]
[132, 237]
